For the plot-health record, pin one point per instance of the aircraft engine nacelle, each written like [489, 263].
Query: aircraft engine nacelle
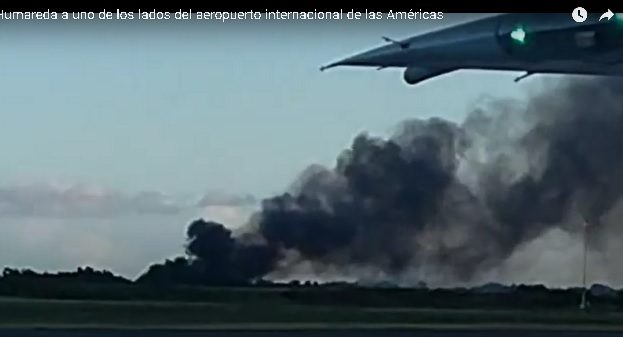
[414, 75]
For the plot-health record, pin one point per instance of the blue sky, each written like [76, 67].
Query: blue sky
[185, 108]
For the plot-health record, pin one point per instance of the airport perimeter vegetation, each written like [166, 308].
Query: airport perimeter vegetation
[295, 305]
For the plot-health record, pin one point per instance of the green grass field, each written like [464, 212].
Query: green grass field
[53, 313]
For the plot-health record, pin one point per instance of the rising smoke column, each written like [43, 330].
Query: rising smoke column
[214, 257]
[368, 210]
[575, 151]
[438, 199]
[396, 204]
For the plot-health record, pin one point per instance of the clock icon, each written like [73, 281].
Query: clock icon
[579, 14]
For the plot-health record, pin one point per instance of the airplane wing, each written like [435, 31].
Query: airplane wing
[414, 75]
[531, 43]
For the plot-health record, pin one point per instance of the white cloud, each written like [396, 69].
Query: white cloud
[61, 227]
[223, 199]
[124, 245]
[49, 200]
[233, 217]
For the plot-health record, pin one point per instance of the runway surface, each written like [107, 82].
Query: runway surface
[299, 333]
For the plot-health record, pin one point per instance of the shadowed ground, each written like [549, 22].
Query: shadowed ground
[29, 313]
[306, 333]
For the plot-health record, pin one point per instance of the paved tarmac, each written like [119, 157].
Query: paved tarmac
[303, 333]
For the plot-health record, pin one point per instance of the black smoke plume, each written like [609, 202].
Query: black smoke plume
[215, 257]
[441, 197]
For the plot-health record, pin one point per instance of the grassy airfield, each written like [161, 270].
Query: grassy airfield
[141, 314]
[65, 304]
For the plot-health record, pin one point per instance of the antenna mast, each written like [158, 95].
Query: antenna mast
[584, 304]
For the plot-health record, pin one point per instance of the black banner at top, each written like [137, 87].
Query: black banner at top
[448, 6]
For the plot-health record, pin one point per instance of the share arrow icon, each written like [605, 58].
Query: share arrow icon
[607, 15]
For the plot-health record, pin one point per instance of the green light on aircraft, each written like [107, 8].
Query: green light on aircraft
[519, 35]
[618, 17]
